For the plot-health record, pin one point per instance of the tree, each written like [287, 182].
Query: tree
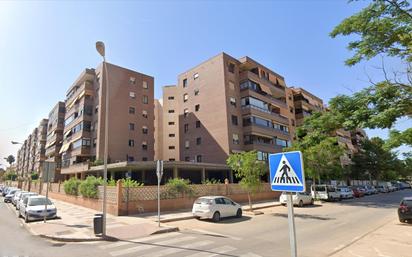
[10, 159]
[384, 26]
[249, 170]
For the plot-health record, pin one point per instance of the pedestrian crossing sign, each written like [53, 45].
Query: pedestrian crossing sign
[286, 172]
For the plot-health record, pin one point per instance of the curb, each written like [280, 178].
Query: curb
[67, 239]
[167, 230]
[177, 219]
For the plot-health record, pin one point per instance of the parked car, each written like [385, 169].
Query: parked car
[299, 199]
[325, 192]
[345, 192]
[10, 195]
[357, 192]
[405, 210]
[382, 189]
[367, 190]
[36, 207]
[405, 185]
[7, 190]
[215, 208]
[22, 197]
[391, 187]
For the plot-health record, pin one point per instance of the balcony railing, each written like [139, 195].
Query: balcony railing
[285, 119]
[266, 127]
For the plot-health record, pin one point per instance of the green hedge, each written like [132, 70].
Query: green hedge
[71, 186]
[89, 187]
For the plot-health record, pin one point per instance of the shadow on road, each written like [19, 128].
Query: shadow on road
[303, 216]
[229, 220]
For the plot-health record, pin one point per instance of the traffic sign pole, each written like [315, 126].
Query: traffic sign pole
[292, 231]
[159, 173]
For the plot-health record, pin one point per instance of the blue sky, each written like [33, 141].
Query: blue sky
[45, 45]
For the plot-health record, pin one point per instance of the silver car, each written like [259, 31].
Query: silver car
[215, 208]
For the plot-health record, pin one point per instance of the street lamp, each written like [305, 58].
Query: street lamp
[101, 50]
[16, 143]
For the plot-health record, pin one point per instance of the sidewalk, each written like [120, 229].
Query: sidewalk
[187, 214]
[75, 223]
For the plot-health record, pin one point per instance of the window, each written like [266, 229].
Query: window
[198, 124]
[196, 91]
[144, 130]
[130, 158]
[171, 111]
[144, 145]
[198, 140]
[171, 123]
[291, 109]
[186, 128]
[171, 147]
[86, 142]
[234, 120]
[233, 101]
[187, 144]
[197, 107]
[171, 98]
[198, 158]
[144, 159]
[132, 80]
[195, 76]
[131, 142]
[132, 95]
[145, 99]
[144, 114]
[281, 142]
[131, 126]
[171, 135]
[172, 159]
[293, 122]
[185, 83]
[235, 138]
[231, 67]
[231, 85]
[94, 142]
[187, 159]
[185, 97]
[132, 110]
[77, 144]
[185, 112]
[145, 86]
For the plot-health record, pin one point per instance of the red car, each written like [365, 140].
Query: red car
[357, 192]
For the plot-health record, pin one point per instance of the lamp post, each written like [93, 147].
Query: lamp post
[101, 50]
[16, 143]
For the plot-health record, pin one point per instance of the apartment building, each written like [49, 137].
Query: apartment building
[305, 103]
[131, 118]
[167, 121]
[54, 139]
[40, 147]
[226, 105]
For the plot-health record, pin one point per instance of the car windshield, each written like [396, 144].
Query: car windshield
[39, 201]
[203, 201]
[320, 188]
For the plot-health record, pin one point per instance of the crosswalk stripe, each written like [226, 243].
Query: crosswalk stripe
[216, 252]
[216, 234]
[138, 240]
[149, 246]
[250, 255]
[177, 249]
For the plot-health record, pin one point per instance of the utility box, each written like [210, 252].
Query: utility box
[98, 224]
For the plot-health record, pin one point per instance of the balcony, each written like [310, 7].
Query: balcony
[259, 94]
[250, 109]
[274, 88]
[260, 129]
[74, 168]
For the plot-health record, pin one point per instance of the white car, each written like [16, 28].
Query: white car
[345, 192]
[16, 197]
[33, 208]
[298, 199]
[215, 207]
[325, 192]
[22, 197]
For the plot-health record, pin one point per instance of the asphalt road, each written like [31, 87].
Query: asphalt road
[322, 230]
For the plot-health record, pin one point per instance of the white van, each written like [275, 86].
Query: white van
[325, 192]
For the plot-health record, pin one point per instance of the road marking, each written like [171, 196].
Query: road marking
[250, 255]
[217, 251]
[216, 234]
[177, 249]
[379, 253]
[150, 246]
[354, 254]
[138, 240]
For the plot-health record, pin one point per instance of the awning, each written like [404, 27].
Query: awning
[65, 147]
[50, 143]
[67, 133]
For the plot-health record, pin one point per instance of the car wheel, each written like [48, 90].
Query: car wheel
[26, 218]
[239, 213]
[402, 220]
[19, 214]
[312, 202]
[216, 217]
[300, 203]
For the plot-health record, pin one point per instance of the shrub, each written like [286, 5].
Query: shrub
[10, 175]
[34, 176]
[111, 182]
[88, 187]
[131, 183]
[97, 163]
[179, 186]
[71, 186]
[212, 181]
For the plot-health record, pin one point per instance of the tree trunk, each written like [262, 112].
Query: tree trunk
[250, 201]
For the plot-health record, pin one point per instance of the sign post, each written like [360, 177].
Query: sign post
[287, 175]
[159, 173]
[48, 175]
